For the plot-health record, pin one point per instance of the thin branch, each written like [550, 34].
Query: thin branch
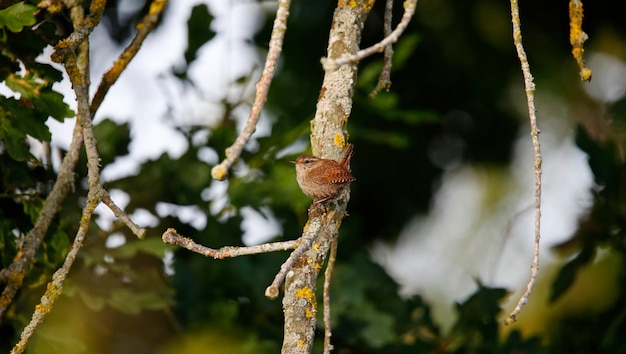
[534, 133]
[60, 189]
[55, 287]
[220, 172]
[307, 239]
[78, 70]
[577, 37]
[144, 28]
[83, 27]
[77, 66]
[384, 80]
[327, 278]
[62, 186]
[171, 237]
[409, 9]
[140, 232]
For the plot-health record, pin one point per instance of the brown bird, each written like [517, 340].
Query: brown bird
[323, 179]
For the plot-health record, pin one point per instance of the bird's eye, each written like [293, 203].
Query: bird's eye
[306, 161]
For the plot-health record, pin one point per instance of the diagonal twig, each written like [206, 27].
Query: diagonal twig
[144, 28]
[220, 171]
[409, 10]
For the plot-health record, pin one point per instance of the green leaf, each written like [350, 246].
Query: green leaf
[152, 246]
[8, 66]
[113, 140]
[199, 30]
[32, 207]
[8, 241]
[404, 49]
[40, 96]
[14, 140]
[18, 16]
[566, 276]
[51, 103]
[135, 302]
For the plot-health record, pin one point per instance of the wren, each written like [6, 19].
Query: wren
[323, 179]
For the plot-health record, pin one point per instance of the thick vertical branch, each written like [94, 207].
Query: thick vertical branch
[328, 127]
[328, 139]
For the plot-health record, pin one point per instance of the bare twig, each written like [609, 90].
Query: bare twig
[384, 80]
[330, 64]
[171, 237]
[77, 66]
[62, 185]
[144, 27]
[299, 301]
[577, 37]
[534, 133]
[327, 277]
[220, 172]
[306, 241]
[78, 70]
[55, 287]
[83, 29]
[140, 232]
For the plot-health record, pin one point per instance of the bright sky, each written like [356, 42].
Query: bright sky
[154, 102]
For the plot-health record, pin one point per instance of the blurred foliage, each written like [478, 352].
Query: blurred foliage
[31, 82]
[449, 102]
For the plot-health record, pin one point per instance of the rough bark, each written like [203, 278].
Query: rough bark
[328, 139]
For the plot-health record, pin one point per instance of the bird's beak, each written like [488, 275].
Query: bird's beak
[294, 162]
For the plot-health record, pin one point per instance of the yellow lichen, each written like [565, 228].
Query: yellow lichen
[577, 37]
[307, 294]
[42, 308]
[309, 312]
[301, 343]
[339, 140]
[347, 3]
[219, 173]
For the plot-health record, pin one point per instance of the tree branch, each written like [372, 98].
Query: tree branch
[307, 239]
[78, 71]
[62, 186]
[534, 133]
[220, 171]
[83, 28]
[55, 287]
[144, 28]
[331, 64]
[77, 67]
[328, 347]
[384, 80]
[171, 237]
[328, 139]
[577, 37]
